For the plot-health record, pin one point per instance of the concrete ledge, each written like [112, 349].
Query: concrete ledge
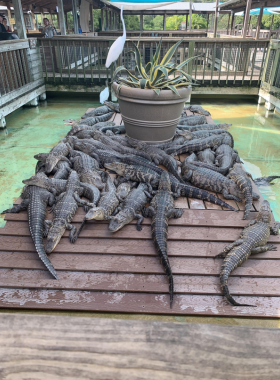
[270, 100]
[94, 89]
[209, 90]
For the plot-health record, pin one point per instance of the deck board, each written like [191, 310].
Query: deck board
[120, 272]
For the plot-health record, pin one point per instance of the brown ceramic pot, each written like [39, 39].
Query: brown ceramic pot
[150, 117]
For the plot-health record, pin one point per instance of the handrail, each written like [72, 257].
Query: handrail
[11, 45]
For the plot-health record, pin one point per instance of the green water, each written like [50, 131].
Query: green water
[34, 130]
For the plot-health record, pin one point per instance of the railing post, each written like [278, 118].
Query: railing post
[61, 17]
[190, 54]
[75, 17]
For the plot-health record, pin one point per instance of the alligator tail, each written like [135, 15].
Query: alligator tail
[168, 271]
[248, 203]
[194, 192]
[272, 178]
[43, 256]
[229, 297]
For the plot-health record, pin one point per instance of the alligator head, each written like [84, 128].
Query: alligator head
[41, 157]
[116, 167]
[54, 235]
[123, 189]
[96, 213]
[118, 221]
[40, 179]
[52, 160]
[264, 214]
[186, 134]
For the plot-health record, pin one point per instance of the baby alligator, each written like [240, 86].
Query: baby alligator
[161, 210]
[252, 240]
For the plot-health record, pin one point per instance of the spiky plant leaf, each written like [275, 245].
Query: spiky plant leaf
[156, 90]
[143, 83]
[170, 53]
[172, 88]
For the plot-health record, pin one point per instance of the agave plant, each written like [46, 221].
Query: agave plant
[156, 75]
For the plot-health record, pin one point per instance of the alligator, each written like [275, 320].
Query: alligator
[113, 106]
[197, 145]
[58, 186]
[58, 153]
[116, 129]
[118, 146]
[106, 206]
[193, 120]
[87, 169]
[265, 181]
[96, 119]
[97, 112]
[197, 109]
[203, 127]
[150, 176]
[35, 200]
[40, 167]
[64, 211]
[123, 189]
[131, 208]
[158, 156]
[61, 170]
[252, 240]
[212, 181]
[242, 179]
[203, 134]
[119, 138]
[207, 156]
[83, 127]
[161, 210]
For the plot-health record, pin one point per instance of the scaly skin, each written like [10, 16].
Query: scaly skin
[240, 177]
[113, 106]
[96, 119]
[265, 181]
[117, 146]
[62, 170]
[83, 127]
[193, 120]
[64, 211]
[161, 210]
[197, 145]
[97, 112]
[207, 156]
[203, 127]
[131, 208]
[197, 109]
[158, 156]
[58, 186]
[147, 175]
[212, 181]
[123, 189]
[58, 153]
[203, 134]
[116, 129]
[252, 240]
[35, 200]
[87, 169]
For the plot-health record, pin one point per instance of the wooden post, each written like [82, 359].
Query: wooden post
[75, 17]
[50, 17]
[164, 21]
[190, 13]
[91, 21]
[32, 17]
[60, 14]
[228, 23]
[66, 21]
[107, 18]
[141, 22]
[232, 23]
[187, 16]
[19, 19]
[102, 20]
[216, 19]
[10, 16]
[271, 26]
[246, 18]
[258, 28]
[207, 23]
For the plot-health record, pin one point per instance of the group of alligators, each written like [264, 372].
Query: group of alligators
[74, 168]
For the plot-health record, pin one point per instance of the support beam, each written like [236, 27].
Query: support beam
[187, 17]
[66, 21]
[19, 19]
[207, 23]
[246, 18]
[190, 13]
[91, 21]
[164, 21]
[75, 17]
[62, 25]
[232, 23]
[102, 20]
[10, 16]
[228, 23]
[107, 19]
[32, 18]
[141, 22]
[271, 26]
[110, 20]
[216, 18]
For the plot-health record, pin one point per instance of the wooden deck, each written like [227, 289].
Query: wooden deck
[121, 272]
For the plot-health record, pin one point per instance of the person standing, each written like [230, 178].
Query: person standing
[2, 27]
[48, 28]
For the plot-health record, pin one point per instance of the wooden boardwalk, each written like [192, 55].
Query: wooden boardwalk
[120, 272]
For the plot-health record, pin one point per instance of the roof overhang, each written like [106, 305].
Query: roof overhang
[240, 5]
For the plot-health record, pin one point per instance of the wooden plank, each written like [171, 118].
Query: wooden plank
[140, 303]
[122, 282]
[136, 264]
[134, 349]
[8, 46]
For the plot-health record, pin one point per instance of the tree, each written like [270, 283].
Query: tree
[174, 22]
[132, 22]
[198, 22]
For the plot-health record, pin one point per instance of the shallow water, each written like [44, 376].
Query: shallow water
[34, 130]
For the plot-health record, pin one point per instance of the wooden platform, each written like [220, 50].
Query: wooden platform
[121, 272]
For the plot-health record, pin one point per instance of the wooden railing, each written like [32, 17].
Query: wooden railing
[156, 33]
[218, 62]
[14, 66]
[271, 74]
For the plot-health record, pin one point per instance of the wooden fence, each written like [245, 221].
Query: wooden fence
[218, 62]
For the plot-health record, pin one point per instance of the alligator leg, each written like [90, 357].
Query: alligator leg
[139, 221]
[148, 212]
[82, 202]
[255, 196]
[47, 226]
[188, 175]
[228, 248]
[226, 195]
[275, 230]
[175, 213]
[265, 248]
[17, 208]
[72, 233]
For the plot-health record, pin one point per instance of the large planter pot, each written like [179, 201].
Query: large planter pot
[150, 117]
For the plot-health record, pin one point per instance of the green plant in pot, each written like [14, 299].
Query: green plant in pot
[151, 101]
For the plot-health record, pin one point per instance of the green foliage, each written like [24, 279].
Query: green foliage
[198, 22]
[132, 22]
[151, 22]
[156, 75]
[174, 22]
